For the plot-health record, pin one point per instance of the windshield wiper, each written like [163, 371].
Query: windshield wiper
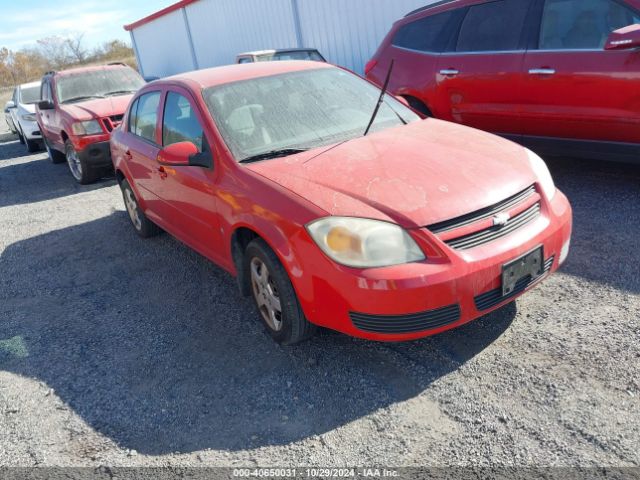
[380, 100]
[119, 92]
[285, 152]
[80, 99]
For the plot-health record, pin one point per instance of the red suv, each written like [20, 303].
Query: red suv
[561, 76]
[77, 112]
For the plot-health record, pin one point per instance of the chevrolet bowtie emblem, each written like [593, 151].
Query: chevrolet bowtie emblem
[501, 220]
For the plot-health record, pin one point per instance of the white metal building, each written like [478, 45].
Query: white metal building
[195, 34]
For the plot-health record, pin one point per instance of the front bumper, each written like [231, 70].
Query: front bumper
[96, 155]
[417, 300]
[30, 130]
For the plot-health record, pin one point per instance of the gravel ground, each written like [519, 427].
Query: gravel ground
[123, 352]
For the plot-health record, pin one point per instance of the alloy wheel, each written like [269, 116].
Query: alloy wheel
[266, 294]
[132, 209]
[74, 163]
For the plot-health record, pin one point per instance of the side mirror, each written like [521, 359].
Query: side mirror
[178, 154]
[46, 105]
[624, 39]
[9, 105]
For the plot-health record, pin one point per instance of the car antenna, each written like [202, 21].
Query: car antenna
[381, 99]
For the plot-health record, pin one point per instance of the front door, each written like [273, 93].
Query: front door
[481, 81]
[574, 89]
[188, 193]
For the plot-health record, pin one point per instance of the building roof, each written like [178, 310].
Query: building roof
[158, 14]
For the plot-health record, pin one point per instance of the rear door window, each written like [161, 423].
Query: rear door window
[180, 123]
[494, 26]
[429, 34]
[143, 117]
[582, 24]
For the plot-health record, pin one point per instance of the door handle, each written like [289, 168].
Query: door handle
[163, 173]
[449, 72]
[542, 71]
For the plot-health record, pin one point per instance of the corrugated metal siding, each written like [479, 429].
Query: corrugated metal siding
[163, 46]
[347, 32]
[223, 28]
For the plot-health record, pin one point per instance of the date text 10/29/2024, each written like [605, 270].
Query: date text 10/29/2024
[315, 473]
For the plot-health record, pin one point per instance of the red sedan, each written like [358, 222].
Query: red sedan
[384, 226]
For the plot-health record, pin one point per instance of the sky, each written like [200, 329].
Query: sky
[23, 22]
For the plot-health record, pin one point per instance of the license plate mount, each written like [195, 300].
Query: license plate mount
[529, 265]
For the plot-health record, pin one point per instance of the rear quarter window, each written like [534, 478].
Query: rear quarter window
[429, 34]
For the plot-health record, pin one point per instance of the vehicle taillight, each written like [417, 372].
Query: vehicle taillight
[370, 66]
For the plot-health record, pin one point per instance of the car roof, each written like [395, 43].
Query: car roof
[74, 71]
[212, 77]
[257, 53]
[30, 84]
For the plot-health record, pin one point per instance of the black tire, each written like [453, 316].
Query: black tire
[80, 170]
[33, 146]
[54, 155]
[294, 327]
[144, 227]
[418, 106]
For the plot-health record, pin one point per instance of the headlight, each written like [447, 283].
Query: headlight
[542, 172]
[29, 117]
[364, 243]
[90, 127]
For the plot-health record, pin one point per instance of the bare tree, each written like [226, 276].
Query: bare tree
[75, 46]
[55, 50]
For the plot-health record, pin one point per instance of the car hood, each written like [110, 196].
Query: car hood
[415, 175]
[27, 108]
[99, 107]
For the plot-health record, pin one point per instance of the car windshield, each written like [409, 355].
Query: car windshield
[101, 83]
[294, 55]
[30, 95]
[299, 110]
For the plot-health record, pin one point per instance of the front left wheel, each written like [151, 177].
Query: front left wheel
[82, 172]
[32, 145]
[275, 297]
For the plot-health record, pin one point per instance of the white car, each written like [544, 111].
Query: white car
[7, 115]
[25, 98]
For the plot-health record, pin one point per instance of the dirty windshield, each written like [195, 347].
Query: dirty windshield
[30, 95]
[299, 111]
[87, 85]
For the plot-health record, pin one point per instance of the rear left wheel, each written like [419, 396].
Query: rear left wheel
[275, 297]
[144, 227]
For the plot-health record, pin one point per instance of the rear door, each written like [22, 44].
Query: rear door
[144, 145]
[574, 88]
[479, 83]
[188, 193]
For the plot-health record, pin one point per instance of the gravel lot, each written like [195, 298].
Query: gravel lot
[123, 352]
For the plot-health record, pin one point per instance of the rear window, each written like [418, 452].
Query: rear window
[429, 34]
[30, 95]
[309, 55]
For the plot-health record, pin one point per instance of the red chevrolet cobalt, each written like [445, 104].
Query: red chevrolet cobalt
[335, 205]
